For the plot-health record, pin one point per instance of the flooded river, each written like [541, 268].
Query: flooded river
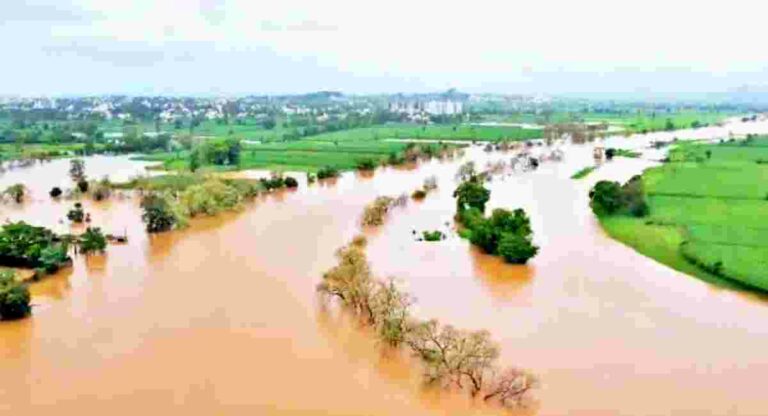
[222, 317]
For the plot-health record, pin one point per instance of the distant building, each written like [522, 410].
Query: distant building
[433, 107]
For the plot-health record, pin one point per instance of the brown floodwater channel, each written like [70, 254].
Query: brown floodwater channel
[222, 317]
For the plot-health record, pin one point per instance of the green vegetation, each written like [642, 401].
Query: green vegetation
[506, 233]
[611, 198]
[705, 207]
[92, 240]
[435, 235]
[611, 152]
[172, 199]
[583, 173]
[450, 357]
[15, 193]
[14, 297]
[76, 214]
[27, 246]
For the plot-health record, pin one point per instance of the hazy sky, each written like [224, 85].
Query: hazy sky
[286, 46]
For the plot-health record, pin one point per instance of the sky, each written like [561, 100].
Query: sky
[222, 47]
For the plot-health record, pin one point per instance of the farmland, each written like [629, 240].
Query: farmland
[705, 211]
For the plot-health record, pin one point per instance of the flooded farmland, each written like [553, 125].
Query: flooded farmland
[222, 317]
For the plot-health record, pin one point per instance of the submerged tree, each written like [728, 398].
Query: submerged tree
[158, 214]
[14, 297]
[77, 170]
[471, 194]
[92, 240]
[16, 192]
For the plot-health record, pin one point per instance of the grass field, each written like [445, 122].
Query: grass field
[708, 213]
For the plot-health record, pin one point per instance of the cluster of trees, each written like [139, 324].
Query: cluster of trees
[14, 297]
[164, 210]
[277, 181]
[28, 246]
[505, 233]
[218, 152]
[451, 358]
[375, 212]
[15, 192]
[611, 198]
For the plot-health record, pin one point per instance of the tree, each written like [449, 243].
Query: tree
[194, 160]
[158, 214]
[82, 185]
[471, 194]
[351, 280]
[77, 170]
[374, 213]
[14, 297]
[92, 240]
[55, 192]
[606, 198]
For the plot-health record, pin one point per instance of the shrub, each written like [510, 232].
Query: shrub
[14, 297]
[82, 185]
[610, 153]
[210, 197]
[24, 245]
[76, 214]
[52, 257]
[291, 182]
[16, 192]
[419, 194]
[55, 192]
[327, 172]
[374, 213]
[92, 240]
[366, 164]
[436, 235]
[101, 190]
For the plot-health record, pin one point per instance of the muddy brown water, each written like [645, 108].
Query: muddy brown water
[222, 317]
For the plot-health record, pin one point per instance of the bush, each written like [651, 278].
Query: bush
[82, 185]
[92, 240]
[14, 297]
[419, 194]
[327, 172]
[374, 213]
[101, 190]
[210, 198]
[291, 182]
[366, 164]
[436, 235]
[610, 153]
[55, 192]
[76, 214]
[16, 192]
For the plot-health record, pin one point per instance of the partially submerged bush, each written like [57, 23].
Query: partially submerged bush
[374, 213]
[55, 192]
[101, 190]
[327, 172]
[24, 245]
[14, 297]
[92, 240]
[366, 164]
[435, 235]
[210, 198]
[419, 194]
[291, 182]
[76, 214]
[15, 193]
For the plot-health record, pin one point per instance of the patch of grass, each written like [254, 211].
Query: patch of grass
[583, 173]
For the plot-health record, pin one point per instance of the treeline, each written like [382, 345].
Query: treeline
[452, 358]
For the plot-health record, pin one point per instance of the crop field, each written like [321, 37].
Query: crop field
[431, 132]
[708, 213]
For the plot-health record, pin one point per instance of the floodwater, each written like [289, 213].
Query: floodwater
[222, 318]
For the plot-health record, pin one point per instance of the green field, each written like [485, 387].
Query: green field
[708, 213]
[431, 132]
